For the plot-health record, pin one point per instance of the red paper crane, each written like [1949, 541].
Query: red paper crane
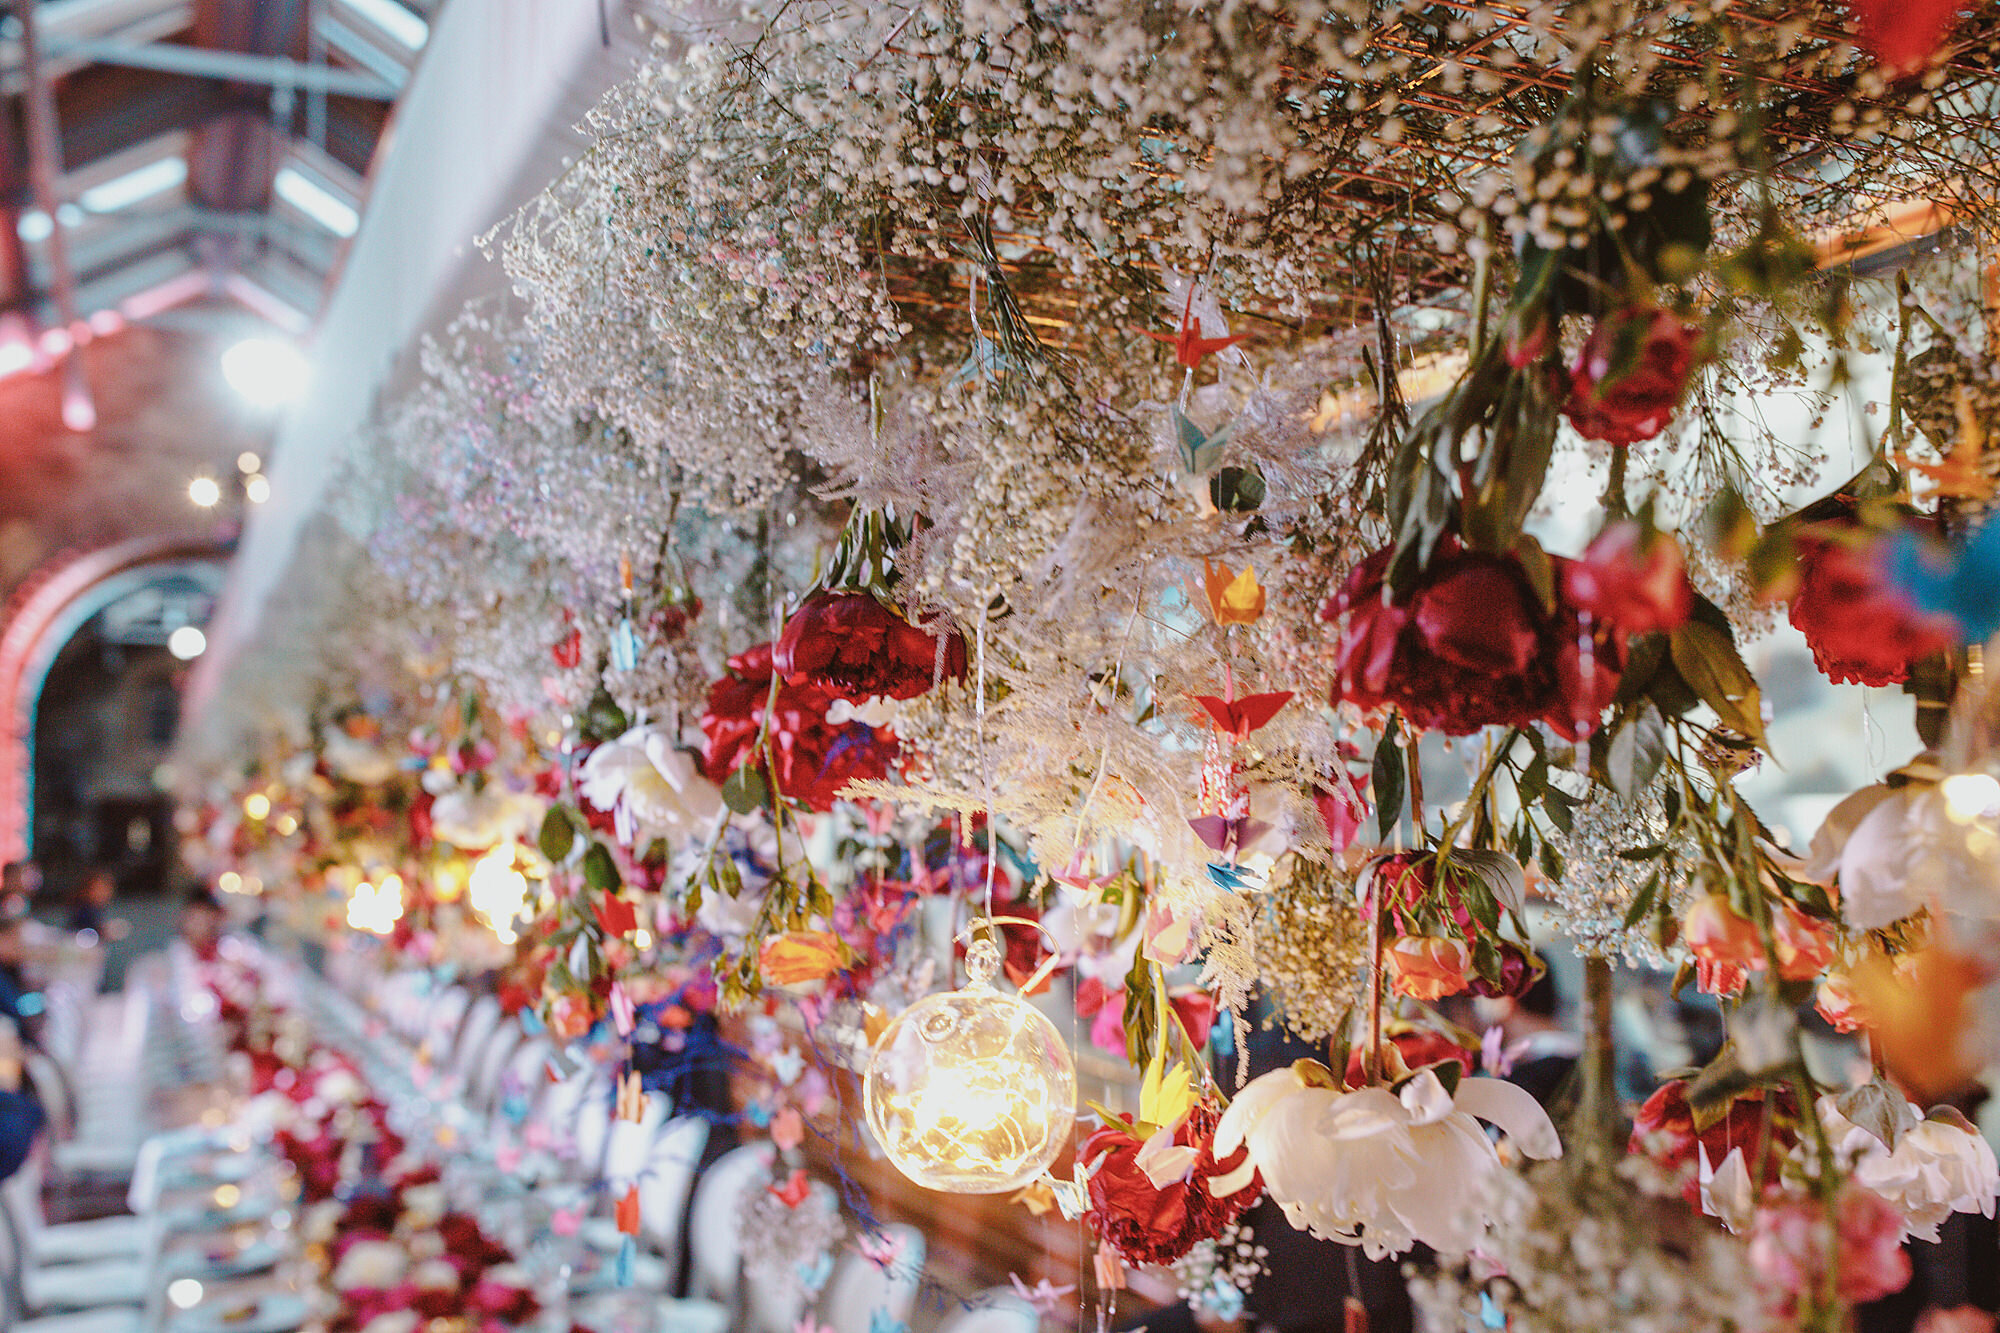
[1189, 346]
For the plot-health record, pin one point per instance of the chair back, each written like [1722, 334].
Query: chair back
[629, 1143]
[715, 1220]
[484, 1077]
[593, 1124]
[994, 1310]
[667, 1180]
[481, 1017]
[874, 1283]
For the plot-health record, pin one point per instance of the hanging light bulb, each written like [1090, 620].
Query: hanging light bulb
[972, 1091]
[497, 890]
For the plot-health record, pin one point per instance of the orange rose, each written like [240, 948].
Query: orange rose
[1429, 967]
[571, 1016]
[1805, 946]
[1838, 1004]
[798, 957]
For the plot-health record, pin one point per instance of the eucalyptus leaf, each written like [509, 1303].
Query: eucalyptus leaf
[745, 790]
[599, 870]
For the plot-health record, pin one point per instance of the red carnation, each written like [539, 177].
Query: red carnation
[857, 648]
[1471, 646]
[1146, 1225]
[815, 758]
[1859, 625]
[1631, 375]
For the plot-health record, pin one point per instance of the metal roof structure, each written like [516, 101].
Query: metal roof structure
[166, 160]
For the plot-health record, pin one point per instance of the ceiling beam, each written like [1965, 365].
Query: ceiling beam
[233, 67]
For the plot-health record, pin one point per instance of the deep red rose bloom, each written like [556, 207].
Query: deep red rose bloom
[1419, 1047]
[1904, 34]
[1636, 585]
[1157, 1226]
[1859, 625]
[1518, 974]
[1631, 375]
[1664, 1131]
[857, 649]
[815, 758]
[1471, 647]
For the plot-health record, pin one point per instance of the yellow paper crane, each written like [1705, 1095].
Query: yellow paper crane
[1237, 600]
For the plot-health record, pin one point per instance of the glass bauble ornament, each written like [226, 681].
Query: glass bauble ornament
[973, 1091]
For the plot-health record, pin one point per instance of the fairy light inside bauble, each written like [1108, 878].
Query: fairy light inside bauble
[972, 1091]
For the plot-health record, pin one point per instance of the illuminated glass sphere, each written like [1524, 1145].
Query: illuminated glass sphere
[971, 1092]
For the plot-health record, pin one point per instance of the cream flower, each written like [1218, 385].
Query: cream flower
[1940, 1165]
[1375, 1168]
[396, 1321]
[473, 820]
[651, 788]
[370, 1264]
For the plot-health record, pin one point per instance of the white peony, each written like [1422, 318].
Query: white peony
[1380, 1169]
[357, 759]
[1940, 1165]
[1895, 850]
[370, 1264]
[652, 788]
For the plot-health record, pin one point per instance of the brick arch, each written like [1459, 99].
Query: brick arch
[51, 604]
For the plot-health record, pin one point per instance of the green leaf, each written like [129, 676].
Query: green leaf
[558, 835]
[1879, 1109]
[1560, 807]
[599, 870]
[1551, 861]
[1498, 873]
[1387, 777]
[1643, 903]
[1710, 664]
[745, 790]
[1237, 490]
[1637, 750]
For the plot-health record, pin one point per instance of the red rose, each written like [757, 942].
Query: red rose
[1904, 35]
[1419, 1048]
[1146, 1225]
[1664, 1132]
[508, 1304]
[815, 758]
[1519, 971]
[1471, 646]
[857, 648]
[1859, 626]
[1631, 375]
[1631, 579]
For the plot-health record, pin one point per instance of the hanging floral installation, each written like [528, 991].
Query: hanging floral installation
[1101, 472]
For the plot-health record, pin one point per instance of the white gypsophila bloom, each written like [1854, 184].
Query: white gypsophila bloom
[1379, 1169]
[653, 788]
[1940, 1165]
[1570, 1254]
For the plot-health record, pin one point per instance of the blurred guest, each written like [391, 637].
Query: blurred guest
[1533, 1047]
[20, 1114]
[20, 1001]
[91, 910]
